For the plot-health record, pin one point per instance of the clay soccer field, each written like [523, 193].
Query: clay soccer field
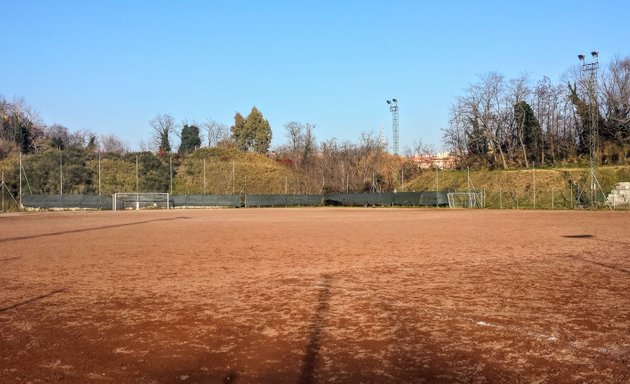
[315, 296]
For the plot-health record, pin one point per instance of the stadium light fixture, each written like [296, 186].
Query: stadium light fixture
[394, 100]
[581, 57]
[595, 54]
[389, 102]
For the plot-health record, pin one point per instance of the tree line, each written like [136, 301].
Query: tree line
[495, 123]
[501, 123]
[329, 166]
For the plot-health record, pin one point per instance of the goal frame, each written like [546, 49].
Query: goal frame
[464, 200]
[141, 200]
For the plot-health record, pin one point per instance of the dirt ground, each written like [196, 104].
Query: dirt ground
[323, 295]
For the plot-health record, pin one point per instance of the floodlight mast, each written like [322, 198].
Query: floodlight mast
[591, 68]
[393, 108]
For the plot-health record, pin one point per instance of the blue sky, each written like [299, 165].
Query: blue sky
[111, 66]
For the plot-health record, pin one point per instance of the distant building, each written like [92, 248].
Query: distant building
[441, 160]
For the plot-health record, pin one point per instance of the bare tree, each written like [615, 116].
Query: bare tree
[616, 97]
[83, 138]
[110, 143]
[483, 110]
[455, 135]
[163, 126]
[295, 135]
[58, 135]
[418, 148]
[309, 143]
[217, 132]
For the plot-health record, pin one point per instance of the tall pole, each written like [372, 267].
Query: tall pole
[20, 191]
[437, 186]
[2, 188]
[60, 172]
[170, 167]
[99, 173]
[402, 179]
[204, 176]
[393, 108]
[137, 180]
[591, 68]
[137, 184]
[534, 175]
[233, 177]
[468, 173]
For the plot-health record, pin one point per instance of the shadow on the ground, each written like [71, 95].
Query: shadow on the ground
[314, 344]
[6, 259]
[89, 229]
[591, 237]
[21, 303]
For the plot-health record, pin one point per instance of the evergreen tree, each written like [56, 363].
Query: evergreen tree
[240, 136]
[529, 130]
[22, 133]
[260, 130]
[190, 139]
[252, 133]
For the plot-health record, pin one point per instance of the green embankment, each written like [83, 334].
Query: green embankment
[227, 171]
[530, 188]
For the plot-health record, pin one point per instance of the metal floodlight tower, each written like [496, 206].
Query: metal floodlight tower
[591, 69]
[393, 108]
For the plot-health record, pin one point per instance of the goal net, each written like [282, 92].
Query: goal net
[141, 200]
[464, 200]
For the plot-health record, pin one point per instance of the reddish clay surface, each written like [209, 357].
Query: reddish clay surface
[314, 296]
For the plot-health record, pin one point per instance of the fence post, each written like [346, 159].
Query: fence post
[170, 166]
[500, 198]
[552, 199]
[99, 173]
[437, 187]
[60, 172]
[534, 173]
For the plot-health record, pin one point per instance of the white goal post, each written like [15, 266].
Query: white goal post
[140, 200]
[464, 200]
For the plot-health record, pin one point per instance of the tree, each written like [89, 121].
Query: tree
[19, 124]
[617, 102]
[530, 135]
[295, 134]
[418, 148]
[112, 144]
[241, 137]
[309, 143]
[583, 110]
[217, 132]
[252, 133]
[163, 126]
[190, 139]
[59, 136]
[260, 129]
[302, 142]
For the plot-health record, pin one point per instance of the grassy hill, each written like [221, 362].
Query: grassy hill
[228, 170]
[542, 188]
